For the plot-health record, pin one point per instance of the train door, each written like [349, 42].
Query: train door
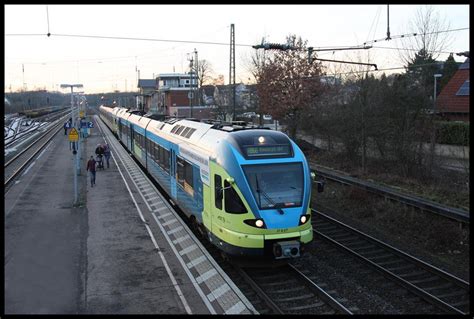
[174, 192]
[132, 135]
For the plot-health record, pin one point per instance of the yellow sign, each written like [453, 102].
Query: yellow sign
[73, 135]
[81, 114]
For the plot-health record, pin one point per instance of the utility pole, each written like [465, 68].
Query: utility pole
[388, 24]
[232, 68]
[197, 77]
[190, 94]
[75, 159]
[23, 70]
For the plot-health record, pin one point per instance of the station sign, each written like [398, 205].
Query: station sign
[73, 135]
[87, 124]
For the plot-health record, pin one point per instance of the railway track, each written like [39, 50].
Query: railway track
[457, 214]
[15, 164]
[289, 291]
[432, 284]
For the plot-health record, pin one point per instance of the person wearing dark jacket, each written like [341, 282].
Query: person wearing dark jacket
[99, 151]
[91, 169]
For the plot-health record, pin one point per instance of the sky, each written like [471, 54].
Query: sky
[36, 61]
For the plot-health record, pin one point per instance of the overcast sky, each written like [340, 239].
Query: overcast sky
[104, 65]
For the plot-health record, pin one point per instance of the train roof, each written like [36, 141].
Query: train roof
[203, 135]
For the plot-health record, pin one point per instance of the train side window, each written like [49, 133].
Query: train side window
[185, 175]
[232, 201]
[166, 160]
[156, 152]
[218, 191]
[180, 171]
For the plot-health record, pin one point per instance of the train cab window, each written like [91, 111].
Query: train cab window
[218, 191]
[232, 201]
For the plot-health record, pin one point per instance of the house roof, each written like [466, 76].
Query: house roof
[454, 98]
[146, 83]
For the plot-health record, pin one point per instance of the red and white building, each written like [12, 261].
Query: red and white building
[453, 101]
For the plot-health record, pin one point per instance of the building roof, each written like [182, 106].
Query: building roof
[454, 98]
[173, 75]
[146, 83]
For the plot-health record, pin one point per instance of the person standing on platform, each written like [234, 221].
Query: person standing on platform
[65, 128]
[107, 153]
[99, 151]
[91, 169]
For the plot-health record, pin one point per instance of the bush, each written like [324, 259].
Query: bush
[453, 133]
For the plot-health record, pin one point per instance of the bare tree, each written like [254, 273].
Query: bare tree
[204, 76]
[426, 25]
[287, 84]
[204, 72]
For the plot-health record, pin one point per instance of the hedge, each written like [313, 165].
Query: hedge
[453, 133]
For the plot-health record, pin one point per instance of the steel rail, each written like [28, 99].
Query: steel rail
[457, 214]
[28, 160]
[423, 292]
[323, 296]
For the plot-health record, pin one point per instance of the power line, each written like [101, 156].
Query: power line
[411, 49]
[413, 35]
[126, 38]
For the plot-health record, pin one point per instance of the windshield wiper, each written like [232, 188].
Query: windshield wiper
[261, 191]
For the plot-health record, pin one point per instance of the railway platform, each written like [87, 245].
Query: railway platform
[123, 250]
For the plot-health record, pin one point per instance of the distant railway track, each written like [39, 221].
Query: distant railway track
[432, 284]
[19, 161]
[23, 134]
[457, 214]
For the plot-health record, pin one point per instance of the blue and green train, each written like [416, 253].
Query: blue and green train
[247, 189]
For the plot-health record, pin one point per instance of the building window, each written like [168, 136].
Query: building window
[464, 89]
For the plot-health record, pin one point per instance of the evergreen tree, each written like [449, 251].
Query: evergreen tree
[450, 67]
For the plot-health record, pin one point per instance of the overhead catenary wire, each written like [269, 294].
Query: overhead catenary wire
[413, 34]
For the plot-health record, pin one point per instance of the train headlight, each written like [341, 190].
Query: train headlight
[261, 139]
[304, 219]
[258, 223]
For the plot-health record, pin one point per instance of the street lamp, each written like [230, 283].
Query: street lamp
[75, 158]
[437, 75]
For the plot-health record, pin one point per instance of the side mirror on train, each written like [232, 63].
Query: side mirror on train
[230, 181]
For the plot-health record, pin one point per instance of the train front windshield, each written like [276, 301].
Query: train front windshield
[276, 185]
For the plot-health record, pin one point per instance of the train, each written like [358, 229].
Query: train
[32, 113]
[246, 189]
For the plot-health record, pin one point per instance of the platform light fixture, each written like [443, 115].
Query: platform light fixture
[75, 164]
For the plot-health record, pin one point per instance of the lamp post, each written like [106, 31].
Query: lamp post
[437, 75]
[75, 159]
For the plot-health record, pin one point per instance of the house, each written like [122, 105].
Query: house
[175, 91]
[453, 101]
[146, 99]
